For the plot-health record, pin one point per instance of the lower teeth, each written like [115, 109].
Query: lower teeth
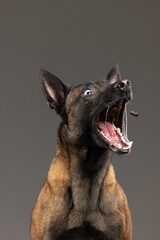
[119, 146]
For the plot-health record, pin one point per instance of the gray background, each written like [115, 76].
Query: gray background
[79, 41]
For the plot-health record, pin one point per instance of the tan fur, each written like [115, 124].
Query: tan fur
[53, 203]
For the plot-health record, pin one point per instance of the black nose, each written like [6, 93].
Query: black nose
[124, 85]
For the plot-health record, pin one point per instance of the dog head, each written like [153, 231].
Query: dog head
[95, 112]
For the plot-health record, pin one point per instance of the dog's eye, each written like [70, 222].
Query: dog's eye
[88, 92]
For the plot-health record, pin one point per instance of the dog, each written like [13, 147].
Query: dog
[81, 198]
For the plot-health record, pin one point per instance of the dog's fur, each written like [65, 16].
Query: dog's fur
[81, 198]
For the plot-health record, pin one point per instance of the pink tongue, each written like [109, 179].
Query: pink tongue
[108, 130]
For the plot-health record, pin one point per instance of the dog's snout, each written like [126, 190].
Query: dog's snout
[124, 85]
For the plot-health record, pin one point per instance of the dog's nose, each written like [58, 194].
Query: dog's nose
[124, 85]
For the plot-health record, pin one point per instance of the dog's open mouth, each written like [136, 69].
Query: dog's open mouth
[112, 126]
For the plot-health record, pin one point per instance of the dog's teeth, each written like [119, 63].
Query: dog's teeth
[130, 143]
[102, 133]
[122, 138]
[114, 127]
[119, 146]
[129, 146]
[126, 148]
[118, 130]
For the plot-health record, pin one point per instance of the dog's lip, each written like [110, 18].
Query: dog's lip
[114, 134]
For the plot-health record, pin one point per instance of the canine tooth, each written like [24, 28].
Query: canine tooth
[129, 146]
[130, 143]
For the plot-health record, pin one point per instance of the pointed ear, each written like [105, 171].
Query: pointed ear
[54, 89]
[114, 74]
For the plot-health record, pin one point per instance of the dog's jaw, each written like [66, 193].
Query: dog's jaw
[111, 127]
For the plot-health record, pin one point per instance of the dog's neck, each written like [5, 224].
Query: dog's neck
[88, 167]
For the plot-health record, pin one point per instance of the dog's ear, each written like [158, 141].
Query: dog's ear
[54, 89]
[114, 74]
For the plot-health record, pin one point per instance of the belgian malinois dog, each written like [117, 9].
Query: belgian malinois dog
[81, 199]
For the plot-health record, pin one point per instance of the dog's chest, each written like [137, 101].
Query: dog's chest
[86, 191]
[85, 197]
[80, 218]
